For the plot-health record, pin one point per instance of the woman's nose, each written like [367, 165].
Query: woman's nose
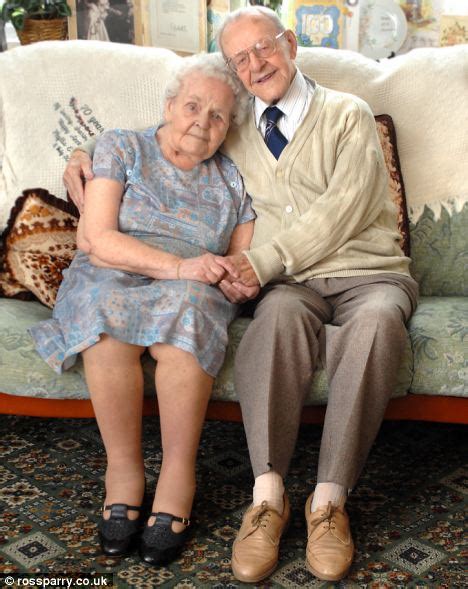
[203, 120]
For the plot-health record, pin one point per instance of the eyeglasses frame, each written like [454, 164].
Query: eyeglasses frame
[251, 49]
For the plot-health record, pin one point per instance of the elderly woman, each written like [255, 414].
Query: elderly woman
[162, 206]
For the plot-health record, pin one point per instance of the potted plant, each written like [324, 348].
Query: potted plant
[37, 20]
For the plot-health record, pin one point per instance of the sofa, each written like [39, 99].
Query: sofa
[54, 95]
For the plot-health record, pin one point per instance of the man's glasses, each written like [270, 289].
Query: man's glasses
[262, 49]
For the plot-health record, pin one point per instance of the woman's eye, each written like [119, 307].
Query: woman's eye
[191, 106]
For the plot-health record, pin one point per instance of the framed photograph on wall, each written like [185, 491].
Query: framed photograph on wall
[317, 23]
[179, 25]
[119, 21]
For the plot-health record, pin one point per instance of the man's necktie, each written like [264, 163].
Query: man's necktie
[274, 139]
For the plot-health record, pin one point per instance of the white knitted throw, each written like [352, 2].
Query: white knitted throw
[53, 95]
[426, 93]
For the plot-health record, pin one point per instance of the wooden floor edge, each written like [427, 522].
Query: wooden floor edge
[435, 408]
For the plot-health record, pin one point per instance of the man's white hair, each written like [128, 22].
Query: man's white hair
[251, 12]
[211, 65]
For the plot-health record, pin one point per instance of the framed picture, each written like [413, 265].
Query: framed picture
[106, 20]
[317, 23]
[453, 30]
[177, 25]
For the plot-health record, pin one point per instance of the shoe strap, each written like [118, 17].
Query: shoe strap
[168, 518]
[119, 510]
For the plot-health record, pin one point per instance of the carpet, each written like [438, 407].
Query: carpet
[408, 512]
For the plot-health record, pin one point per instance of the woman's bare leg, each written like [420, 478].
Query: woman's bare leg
[115, 381]
[183, 390]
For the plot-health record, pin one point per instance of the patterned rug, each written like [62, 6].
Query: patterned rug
[407, 513]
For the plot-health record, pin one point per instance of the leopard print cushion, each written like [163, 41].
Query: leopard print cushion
[387, 137]
[38, 244]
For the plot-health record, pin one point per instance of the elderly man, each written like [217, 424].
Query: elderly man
[325, 252]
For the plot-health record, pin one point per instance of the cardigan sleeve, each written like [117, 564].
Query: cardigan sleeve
[88, 146]
[355, 196]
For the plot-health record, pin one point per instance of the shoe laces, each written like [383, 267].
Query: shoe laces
[259, 519]
[328, 515]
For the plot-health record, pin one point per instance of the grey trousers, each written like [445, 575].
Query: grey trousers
[357, 326]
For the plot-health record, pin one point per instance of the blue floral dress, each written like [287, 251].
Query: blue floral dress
[186, 213]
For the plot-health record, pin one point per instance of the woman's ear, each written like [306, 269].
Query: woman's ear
[168, 109]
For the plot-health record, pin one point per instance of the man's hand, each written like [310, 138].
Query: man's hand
[236, 292]
[79, 166]
[239, 269]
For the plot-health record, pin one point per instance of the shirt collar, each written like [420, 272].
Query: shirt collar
[297, 92]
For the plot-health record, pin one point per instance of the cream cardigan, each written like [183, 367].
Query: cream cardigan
[323, 209]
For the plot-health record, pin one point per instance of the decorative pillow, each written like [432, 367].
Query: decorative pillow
[387, 137]
[38, 244]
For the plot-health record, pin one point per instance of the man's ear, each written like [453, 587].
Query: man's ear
[292, 43]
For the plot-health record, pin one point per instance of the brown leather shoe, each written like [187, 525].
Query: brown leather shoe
[255, 550]
[330, 547]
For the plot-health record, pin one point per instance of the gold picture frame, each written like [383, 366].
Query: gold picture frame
[179, 26]
[119, 21]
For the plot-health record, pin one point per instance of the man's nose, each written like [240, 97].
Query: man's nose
[255, 63]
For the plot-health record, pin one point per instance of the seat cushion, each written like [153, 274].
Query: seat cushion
[439, 333]
[24, 373]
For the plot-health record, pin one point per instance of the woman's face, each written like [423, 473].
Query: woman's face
[198, 118]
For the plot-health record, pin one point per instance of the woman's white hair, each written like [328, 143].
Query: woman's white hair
[251, 12]
[211, 65]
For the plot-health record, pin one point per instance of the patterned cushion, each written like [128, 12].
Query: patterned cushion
[438, 332]
[39, 242]
[24, 373]
[439, 251]
[387, 136]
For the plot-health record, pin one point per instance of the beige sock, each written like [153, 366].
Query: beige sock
[325, 492]
[269, 487]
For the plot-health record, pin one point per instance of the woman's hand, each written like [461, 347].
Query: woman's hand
[79, 166]
[204, 268]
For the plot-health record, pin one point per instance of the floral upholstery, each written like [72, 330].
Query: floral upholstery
[439, 250]
[439, 333]
[24, 373]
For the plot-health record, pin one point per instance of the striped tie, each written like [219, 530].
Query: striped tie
[274, 139]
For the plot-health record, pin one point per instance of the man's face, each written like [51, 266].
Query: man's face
[268, 78]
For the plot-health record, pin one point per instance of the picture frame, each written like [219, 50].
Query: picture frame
[453, 30]
[119, 21]
[317, 23]
[179, 26]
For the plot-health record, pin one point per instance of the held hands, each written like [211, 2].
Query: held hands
[240, 283]
[228, 273]
[79, 166]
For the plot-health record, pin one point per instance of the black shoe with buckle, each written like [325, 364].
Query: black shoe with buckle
[118, 533]
[159, 544]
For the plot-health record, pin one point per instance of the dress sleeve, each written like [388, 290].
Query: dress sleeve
[109, 156]
[246, 212]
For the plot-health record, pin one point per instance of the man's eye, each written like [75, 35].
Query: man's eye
[240, 60]
[191, 106]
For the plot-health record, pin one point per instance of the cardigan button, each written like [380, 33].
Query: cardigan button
[288, 209]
